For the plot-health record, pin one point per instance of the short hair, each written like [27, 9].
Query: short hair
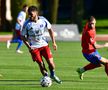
[25, 5]
[91, 18]
[32, 8]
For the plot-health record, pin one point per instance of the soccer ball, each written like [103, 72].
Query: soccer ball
[46, 81]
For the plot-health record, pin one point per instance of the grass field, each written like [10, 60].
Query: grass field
[21, 73]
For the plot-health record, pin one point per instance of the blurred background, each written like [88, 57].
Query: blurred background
[56, 11]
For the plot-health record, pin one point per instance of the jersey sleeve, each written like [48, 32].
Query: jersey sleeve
[48, 24]
[24, 29]
[20, 16]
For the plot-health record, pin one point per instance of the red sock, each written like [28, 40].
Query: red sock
[106, 68]
[91, 66]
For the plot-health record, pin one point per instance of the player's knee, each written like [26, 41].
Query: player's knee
[104, 60]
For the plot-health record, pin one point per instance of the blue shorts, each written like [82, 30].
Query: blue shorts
[93, 57]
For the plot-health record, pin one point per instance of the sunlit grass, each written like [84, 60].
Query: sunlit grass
[21, 73]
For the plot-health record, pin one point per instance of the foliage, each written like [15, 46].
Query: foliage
[17, 6]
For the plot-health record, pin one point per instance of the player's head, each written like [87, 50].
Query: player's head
[91, 22]
[33, 12]
[25, 7]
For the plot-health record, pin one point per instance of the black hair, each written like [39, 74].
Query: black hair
[25, 5]
[32, 8]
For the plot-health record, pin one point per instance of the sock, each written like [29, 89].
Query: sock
[106, 68]
[91, 66]
[52, 73]
[82, 70]
[46, 74]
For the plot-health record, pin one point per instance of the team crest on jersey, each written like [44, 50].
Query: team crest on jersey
[37, 31]
[41, 25]
[31, 28]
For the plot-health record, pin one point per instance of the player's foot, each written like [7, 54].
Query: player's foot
[81, 74]
[19, 51]
[55, 78]
[8, 44]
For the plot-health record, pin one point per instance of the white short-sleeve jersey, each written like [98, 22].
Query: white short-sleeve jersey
[35, 31]
[21, 17]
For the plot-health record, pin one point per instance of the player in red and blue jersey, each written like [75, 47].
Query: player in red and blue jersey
[89, 49]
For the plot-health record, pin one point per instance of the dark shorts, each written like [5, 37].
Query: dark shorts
[38, 53]
[18, 34]
[93, 57]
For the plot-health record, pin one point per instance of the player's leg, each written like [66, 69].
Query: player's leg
[8, 44]
[106, 68]
[20, 43]
[11, 41]
[37, 57]
[89, 66]
[14, 39]
[48, 56]
[94, 59]
[52, 70]
[104, 61]
[42, 68]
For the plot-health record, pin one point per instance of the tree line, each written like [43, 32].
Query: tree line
[52, 6]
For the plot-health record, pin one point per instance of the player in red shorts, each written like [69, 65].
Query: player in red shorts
[89, 49]
[34, 39]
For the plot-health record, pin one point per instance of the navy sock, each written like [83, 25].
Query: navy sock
[52, 73]
[46, 74]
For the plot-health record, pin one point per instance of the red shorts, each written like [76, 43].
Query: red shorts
[18, 33]
[39, 52]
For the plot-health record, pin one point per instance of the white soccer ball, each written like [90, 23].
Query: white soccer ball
[46, 81]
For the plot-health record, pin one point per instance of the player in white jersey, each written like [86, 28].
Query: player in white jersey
[32, 35]
[18, 28]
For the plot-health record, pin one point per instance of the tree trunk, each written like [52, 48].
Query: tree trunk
[2, 15]
[53, 9]
[77, 12]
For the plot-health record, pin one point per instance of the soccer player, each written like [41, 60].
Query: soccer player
[89, 49]
[18, 27]
[34, 39]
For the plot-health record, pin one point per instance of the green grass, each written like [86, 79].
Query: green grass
[21, 73]
[6, 33]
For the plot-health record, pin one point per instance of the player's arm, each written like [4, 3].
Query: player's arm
[26, 42]
[95, 45]
[98, 46]
[24, 36]
[19, 22]
[19, 18]
[51, 32]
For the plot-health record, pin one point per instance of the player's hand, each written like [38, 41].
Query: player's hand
[54, 46]
[106, 45]
[31, 49]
